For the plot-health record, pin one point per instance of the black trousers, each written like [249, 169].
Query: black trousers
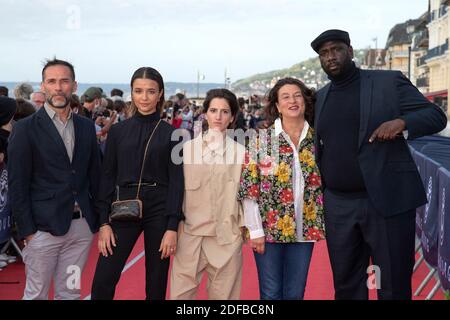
[356, 234]
[153, 224]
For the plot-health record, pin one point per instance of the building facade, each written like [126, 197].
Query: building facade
[420, 49]
[437, 58]
[399, 46]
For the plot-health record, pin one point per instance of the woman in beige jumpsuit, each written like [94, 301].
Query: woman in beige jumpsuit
[210, 237]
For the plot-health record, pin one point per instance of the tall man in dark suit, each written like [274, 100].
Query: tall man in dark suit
[372, 186]
[53, 176]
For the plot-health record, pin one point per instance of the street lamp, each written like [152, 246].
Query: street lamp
[313, 75]
[199, 77]
[389, 56]
[226, 79]
[409, 62]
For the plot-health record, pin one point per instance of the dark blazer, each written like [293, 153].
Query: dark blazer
[43, 183]
[390, 174]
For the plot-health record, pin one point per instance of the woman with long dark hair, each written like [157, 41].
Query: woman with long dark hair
[281, 193]
[161, 191]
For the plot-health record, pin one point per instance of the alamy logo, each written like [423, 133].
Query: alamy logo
[429, 192]
[3, 189]
[374, 279]
[74, 280]
[442, 218]
[74, 17]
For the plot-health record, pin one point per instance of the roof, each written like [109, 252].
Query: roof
[402, 33]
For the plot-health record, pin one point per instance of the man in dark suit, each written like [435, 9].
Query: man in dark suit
[53, 176]
[371, 184]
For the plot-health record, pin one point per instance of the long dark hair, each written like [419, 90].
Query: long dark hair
[309, 96]
[151, 74]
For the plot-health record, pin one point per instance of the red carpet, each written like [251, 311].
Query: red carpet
[132, 283]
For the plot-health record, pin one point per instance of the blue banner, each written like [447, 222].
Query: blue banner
[439, 153]
[5, 212]
[429, 236]
[444, 228]
[420, 161]
[419, 143]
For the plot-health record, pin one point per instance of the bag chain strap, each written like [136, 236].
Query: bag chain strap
[142, 167]
[143, 160]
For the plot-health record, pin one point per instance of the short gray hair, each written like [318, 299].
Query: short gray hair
[23, 90]
[37, 92]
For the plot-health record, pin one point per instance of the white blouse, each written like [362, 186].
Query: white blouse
[252, 216]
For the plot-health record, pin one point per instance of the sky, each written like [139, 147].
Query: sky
[106, 40]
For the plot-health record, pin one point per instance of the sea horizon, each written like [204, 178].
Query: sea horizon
[171, 88]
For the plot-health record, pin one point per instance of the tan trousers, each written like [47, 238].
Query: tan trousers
[222, 263]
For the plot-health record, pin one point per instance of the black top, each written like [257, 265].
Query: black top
[88, 114]
[122, 164]
[240, 121]
[339, 132]
[4, 135]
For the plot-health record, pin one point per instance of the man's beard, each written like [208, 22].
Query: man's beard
[344, 67]
[58, 105]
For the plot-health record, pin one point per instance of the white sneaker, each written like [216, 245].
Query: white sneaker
[3, 264]
[8, 259]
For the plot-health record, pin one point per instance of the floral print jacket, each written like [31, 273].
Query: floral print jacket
[267, 178]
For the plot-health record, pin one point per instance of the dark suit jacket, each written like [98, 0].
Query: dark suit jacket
[43, 183]
[390, 174]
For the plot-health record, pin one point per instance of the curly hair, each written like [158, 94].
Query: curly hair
[309, 96]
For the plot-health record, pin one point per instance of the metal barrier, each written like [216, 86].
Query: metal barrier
[433, 220]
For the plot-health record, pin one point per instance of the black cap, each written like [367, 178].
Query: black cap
[8, 108]
[330, 35]
[92, 93]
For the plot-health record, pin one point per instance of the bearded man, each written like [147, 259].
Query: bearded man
[53, 177]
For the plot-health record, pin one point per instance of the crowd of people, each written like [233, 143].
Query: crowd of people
[179, 111]
[331, 165]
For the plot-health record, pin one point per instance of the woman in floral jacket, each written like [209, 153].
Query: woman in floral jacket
[281, 193]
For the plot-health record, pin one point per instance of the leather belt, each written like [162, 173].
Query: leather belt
[143, 184]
